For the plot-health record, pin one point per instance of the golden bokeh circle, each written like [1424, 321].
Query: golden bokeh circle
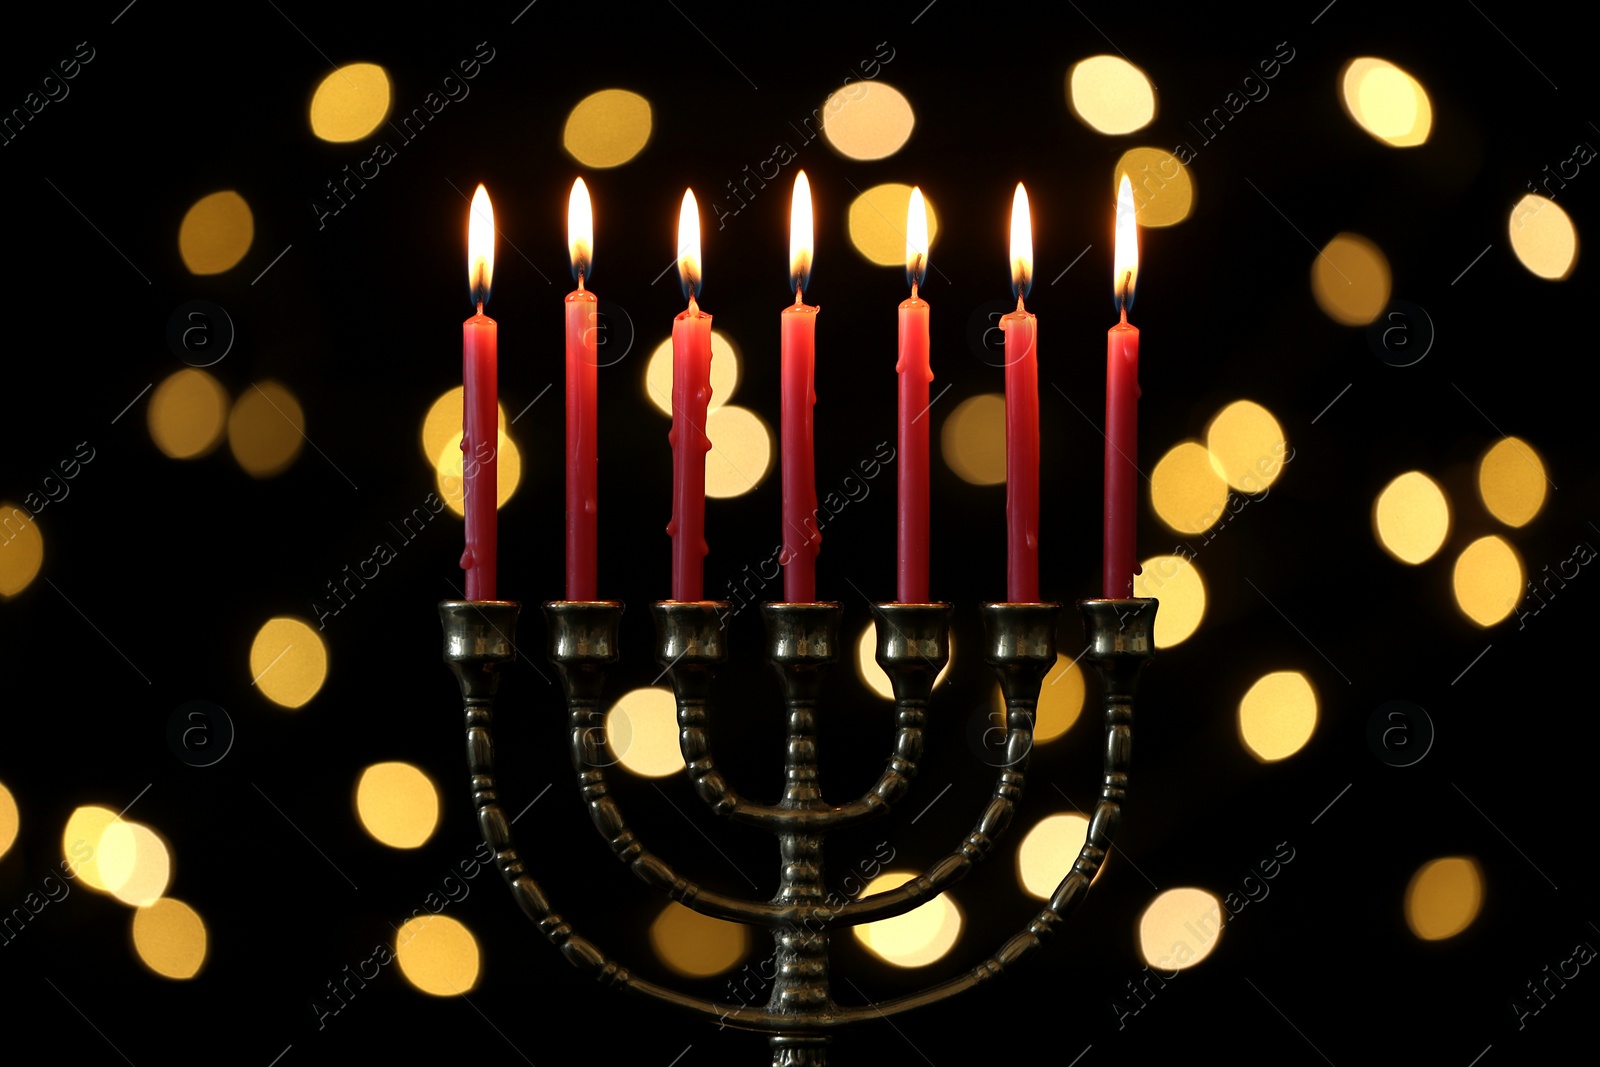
[1386, 101]
[1163, 188]
[1411, 517]
[1350, 280]
[1488, 580]
[1278, 715]
[266, 429]
[877, 223]
[695, 945]
[1511, 481]
[867, 120]
[188, 413]
[21, 549]
[9, 820]
[607, 128]
[216, 232]
[170, 938]
[642, 731]
[1543, 237]
[1179, 928]
[1176, 582]
[288, 661]
[438, 955]
[973, 439]
[1048, 852]
[1247, 446]
[135, 863]
[398, 804]
[351, 102]
[80, 843]
[1444, 897]
[1110, 95]
[1187, 490]
[921, 936]
[741, 451]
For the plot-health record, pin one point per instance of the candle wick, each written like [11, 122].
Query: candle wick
[799, 296]
[913, 290]
[1124, 314]
[1019, 303]
[580, 281]
[480, 307]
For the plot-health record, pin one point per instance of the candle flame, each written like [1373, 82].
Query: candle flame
[689, 245]
[1021, 244]
[580, 231]
[480, 247]
[916, 238]
[1125, 263]
[801, 239]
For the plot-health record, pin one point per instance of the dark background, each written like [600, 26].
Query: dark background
[171, 566]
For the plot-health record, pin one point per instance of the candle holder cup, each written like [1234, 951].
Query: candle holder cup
[801, 1016]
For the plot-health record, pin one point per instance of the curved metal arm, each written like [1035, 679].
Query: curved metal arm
[691, 646]
[1121, 642]
[479, 639]
[1022, 650]
[583, 643]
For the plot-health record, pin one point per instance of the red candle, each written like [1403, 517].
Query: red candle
[1122, 409]
[915, 375]
[1022, 417]
[801, 538]
[480, 424]
[691, 395]
[582, 391]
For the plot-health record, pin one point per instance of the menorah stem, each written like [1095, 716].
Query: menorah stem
[803, 638]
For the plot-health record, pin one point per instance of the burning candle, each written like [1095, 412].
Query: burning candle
[1122, 408]
[691, 395]
[801, 538]
[1022, 417]
[480, 424]
[915, 375]
[582, 392]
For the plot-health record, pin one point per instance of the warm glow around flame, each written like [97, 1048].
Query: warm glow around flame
[689, 245]
[1021, 244]
[480, 247]
[1125, 263]
[801, 241]
[580, 230]
[916, 238]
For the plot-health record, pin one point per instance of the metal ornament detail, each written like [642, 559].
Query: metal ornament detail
[802, 643]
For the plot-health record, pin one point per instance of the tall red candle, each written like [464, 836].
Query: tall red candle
[915, 375]
[691, 396]
[1122, 409]
[1022, 417]
[582, 404]
[480, 424]
[801, 538]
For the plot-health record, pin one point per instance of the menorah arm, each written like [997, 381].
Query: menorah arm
[1021, 649]
[913, 646]
[974, 848]
[583, 645]
[1121, 639]
[479, 642]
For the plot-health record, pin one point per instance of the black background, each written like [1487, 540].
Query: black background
[170, 567]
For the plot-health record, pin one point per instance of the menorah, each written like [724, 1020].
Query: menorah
[913, 645]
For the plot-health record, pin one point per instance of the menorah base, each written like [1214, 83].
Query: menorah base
[913, 645]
